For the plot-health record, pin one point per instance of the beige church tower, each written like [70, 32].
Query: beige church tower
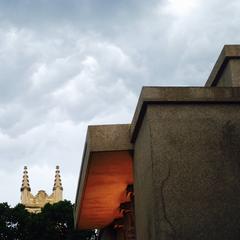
[35, 203]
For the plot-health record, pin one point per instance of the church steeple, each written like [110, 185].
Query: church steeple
[25, 188]
[57, 180]
[25, 181]
[57, 188]
[35, 203]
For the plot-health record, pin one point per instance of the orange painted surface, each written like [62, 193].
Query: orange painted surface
[109, 173]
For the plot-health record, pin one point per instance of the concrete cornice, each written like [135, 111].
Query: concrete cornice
[157, 95]
[101, 138]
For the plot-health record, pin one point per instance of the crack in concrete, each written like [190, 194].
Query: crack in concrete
[166, 227]
[171, 232]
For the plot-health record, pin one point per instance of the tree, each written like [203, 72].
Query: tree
[20, 222]
[55, 222]
[5, 232]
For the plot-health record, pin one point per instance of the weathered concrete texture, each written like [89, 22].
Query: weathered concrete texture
[156, 95]
[226, 71]
[109, 137]
[230, 75]
[186, 171]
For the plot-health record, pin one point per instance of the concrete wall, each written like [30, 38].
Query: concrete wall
[187, 172]
[226, 70]
[231, 75]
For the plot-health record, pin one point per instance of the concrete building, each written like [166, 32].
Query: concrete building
[35, 203]
[174, 172]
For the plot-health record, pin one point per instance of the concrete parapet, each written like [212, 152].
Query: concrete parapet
[226, 71]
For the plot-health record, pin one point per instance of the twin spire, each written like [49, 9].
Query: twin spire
[25, 181]
[26, 185]
[57, 180]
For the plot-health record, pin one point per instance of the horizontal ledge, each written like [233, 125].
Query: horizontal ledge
[178, 95]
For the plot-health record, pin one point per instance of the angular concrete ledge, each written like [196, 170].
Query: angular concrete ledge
[106, 171]
[163, 95]
[108, 137]
[226, 70]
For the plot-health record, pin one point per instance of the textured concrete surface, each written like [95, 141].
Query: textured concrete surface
[156, 95]
[186, 171]
[230, 75]
[226, 70]
[108, 137]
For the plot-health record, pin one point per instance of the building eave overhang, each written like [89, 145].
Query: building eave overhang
[105, 144]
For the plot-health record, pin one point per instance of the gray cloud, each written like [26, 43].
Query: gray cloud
[68, 64]
[85, 14]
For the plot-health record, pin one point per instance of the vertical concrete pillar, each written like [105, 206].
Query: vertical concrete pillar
[187, 170]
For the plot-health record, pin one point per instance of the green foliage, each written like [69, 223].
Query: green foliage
[55, 222]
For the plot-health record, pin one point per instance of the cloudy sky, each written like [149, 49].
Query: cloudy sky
[68, 64]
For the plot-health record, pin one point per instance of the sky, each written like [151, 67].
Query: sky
[65, 65]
